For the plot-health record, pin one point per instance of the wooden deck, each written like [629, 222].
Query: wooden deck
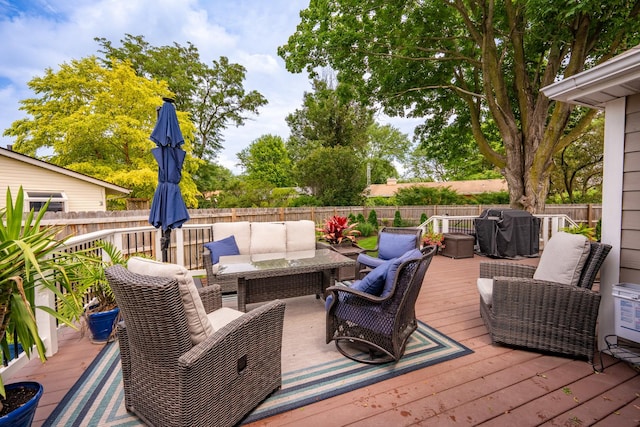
[494, 386]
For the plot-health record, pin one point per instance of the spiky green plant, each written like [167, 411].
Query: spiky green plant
[31, 256]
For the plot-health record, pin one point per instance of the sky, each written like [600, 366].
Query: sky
[41, 34]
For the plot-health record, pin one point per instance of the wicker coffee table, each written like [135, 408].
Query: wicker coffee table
[265, 277]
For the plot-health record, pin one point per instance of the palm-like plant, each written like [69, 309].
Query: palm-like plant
[31, 256]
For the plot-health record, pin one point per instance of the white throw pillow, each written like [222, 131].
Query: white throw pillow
[485, 288]
[301, 235]
[199, 325]
[563, 258]
[268, 237]
[241, 231]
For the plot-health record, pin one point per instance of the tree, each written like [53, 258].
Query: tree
[385, 144]
[214, 95]
[328, 137]
[97, 121]
[483, 59]
[578, 172]
[267, 160]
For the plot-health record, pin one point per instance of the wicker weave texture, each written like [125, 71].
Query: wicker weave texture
[170, 382]
[541, 315]
[360, 267]
[382, 323]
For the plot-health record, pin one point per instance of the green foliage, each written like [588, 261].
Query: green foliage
[360, 218]
[365, 229]
[380, 201]
[334, 175]
[492, 198]
[338, 229]
[583, 229]
[373, 219]
[267, 160]
[417, 195]
[352, 217]
[97, 121]
[423, 218]
[213, 95]
[598, 231]
[31, 257]
[397, 219]
[473, 70]
[305, 200]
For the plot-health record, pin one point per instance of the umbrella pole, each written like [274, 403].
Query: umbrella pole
[164, 244]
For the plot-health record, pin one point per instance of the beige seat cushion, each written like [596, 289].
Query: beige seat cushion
[301, 235]
[221, 317]
[240, 230]
[563, 258]
[268, 237]
[199, 325]
[485, 288]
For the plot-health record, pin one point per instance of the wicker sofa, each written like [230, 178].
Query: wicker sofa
[186, 360]
[522, 309]
[257, 238]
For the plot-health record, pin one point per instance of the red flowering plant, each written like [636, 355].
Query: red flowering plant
[433, 239]
[337, 230]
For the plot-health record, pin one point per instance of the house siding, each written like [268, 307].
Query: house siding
[82, 196]
[630, 233]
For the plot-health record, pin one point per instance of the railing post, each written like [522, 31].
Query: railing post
[158, 244]
[179, 232]
[445, 225]
[47, 328]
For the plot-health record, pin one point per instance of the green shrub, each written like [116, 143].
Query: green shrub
[423, 218]
[397, 219]
[365, 229]
[360, 218]
[373, 219]
[352, 218]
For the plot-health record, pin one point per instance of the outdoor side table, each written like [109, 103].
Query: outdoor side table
[458, 245]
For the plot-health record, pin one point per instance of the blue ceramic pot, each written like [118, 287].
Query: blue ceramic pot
[101, 324]
[23, 416]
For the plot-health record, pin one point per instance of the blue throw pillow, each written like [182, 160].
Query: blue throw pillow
[226, 246]
[372, 283]
[393, 245]
[393, 269]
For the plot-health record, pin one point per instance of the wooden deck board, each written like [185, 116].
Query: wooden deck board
[494, 386]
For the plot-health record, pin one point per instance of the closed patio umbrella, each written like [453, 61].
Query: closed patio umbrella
[168, 210]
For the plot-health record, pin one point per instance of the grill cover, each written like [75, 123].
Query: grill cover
[507, 233]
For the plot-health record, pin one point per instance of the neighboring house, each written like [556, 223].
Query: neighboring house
[69, 191]
[614, 86]
[465, 188]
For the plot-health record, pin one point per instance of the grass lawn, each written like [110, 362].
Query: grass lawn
[368, 242]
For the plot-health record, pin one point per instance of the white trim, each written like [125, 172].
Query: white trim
[599, 81]
[614, 136]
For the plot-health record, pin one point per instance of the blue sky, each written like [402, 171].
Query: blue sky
[40, 34]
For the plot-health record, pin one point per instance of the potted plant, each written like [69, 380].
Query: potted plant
[337, 230]
[431, 238]
[101, 312]
[31, 256]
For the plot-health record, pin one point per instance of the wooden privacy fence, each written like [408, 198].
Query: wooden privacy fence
[78, 223]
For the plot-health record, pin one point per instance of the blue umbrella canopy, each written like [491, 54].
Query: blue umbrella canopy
[168, 209]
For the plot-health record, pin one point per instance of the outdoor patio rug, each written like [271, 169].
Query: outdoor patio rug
[312, 371]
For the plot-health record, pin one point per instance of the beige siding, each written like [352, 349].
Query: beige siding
[630, 242]
[82, 196]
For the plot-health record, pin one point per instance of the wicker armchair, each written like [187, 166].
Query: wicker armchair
[170, 382]
[372, 329]
[543, 315]
[392, 249]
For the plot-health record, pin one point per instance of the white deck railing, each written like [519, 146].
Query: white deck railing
[186, 250]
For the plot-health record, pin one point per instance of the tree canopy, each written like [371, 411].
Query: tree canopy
[97, 121]
[481, 63]
[267, 160]
[213, 94]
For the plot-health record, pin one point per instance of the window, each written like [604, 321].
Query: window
[37, 199]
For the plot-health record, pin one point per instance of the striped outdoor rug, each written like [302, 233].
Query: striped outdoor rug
[312, 371]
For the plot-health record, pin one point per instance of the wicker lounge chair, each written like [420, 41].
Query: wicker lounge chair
[543, 315]
[392, 243]
[167, 379]
[379, 325]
